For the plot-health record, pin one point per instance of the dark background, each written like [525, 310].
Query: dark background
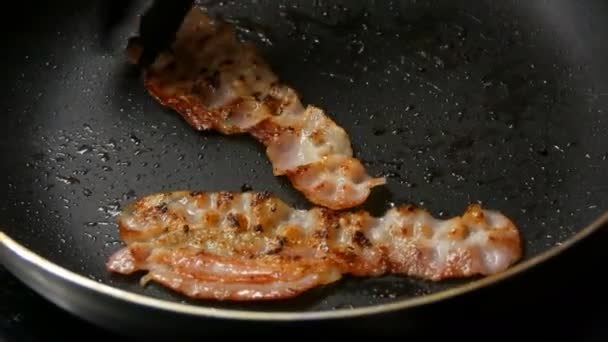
[564, 298]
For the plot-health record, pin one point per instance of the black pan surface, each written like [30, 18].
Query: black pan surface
[501, 102]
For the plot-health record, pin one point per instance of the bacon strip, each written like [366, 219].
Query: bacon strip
[216, 82]
[253, 246]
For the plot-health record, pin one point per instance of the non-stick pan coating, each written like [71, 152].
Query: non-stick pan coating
[502, 102]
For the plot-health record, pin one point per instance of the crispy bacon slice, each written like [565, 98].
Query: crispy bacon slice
[216, 82]
[253, 246]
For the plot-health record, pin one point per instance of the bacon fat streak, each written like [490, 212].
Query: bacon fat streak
[253, 246]
[216, 82]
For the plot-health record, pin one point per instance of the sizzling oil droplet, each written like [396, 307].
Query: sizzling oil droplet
[68, 180]
[135, 140]
[84, 149]
[129, 195]
[91, 236]
[112, 209]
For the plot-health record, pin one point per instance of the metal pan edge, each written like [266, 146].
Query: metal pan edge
[80, 295]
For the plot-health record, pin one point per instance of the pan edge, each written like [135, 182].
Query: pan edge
[25, 264]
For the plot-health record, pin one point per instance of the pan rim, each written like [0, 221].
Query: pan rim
[220, 313]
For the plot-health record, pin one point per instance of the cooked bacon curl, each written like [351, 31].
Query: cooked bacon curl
[253, 246]
[216, 82]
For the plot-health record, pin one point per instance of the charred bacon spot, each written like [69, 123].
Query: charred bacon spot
[162, 208]
[260, 198]
[281, 241]
[214, 80]
[330, 218]
[361, 240]
[224, 199]
[322, 234]
[238, 221]
[348, 256]
[258, 228]
[186, 228]
[195, 193]
[407, 209]
[233, 220]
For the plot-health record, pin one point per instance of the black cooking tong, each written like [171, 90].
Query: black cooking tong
[158, 24]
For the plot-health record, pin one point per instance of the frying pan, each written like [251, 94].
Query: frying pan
[499, 102]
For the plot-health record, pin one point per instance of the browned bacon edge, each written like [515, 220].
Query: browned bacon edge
[252, 246]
